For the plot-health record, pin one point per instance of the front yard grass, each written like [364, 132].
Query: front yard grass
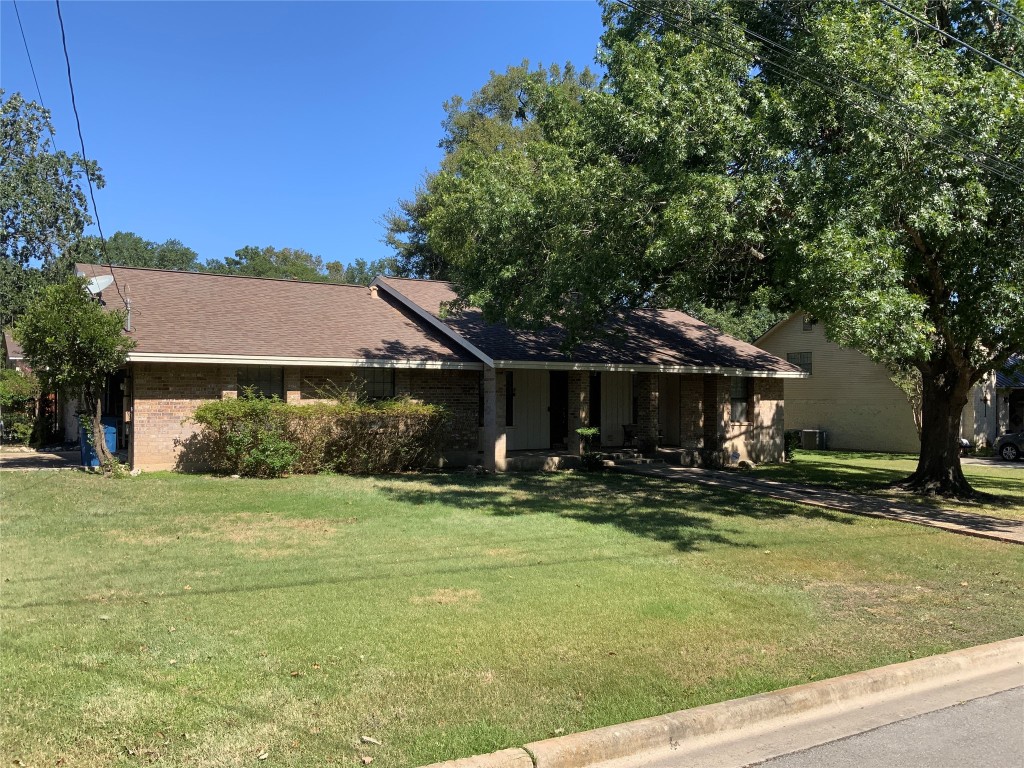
[871, 473]
[207, 621]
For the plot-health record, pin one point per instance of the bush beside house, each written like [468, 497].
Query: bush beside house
[260, 437]
[19, 393]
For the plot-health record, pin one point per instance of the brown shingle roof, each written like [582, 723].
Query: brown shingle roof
[188, 313]
[658, 337]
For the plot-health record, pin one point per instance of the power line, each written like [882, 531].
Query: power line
[81, 141]
[735, 49]
[1001, 10]
[29, 54]
[957, 40]
[916, 113]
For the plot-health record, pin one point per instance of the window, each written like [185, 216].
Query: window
[376, 383]
[800, 359]
[510, 394]
[809, 323]
[739, 396]
[264, 380]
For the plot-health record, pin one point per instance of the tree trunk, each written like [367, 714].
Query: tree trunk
[944, 394]
[94, 405]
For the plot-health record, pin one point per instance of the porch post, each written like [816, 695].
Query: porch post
[716, 401]
[579, 408]
[493, 437]
[647, 411]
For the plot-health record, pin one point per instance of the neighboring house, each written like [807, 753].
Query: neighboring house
[853, 399]
[662, 379]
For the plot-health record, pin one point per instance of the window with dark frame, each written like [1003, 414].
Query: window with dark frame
[739, 398]
[264, 380]
[809, 323]
[510, 395]
[800, 359]
[378, 383]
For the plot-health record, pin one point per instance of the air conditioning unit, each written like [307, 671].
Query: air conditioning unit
[814, 439]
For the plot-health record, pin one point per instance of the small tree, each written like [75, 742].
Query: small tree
[73, 343]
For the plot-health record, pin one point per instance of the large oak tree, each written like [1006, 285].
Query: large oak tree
[856, 161]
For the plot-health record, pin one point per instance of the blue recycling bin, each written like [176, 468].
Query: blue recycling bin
[89, 457]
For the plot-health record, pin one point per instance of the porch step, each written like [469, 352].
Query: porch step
[628, 461]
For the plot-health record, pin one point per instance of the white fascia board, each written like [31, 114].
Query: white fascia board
[628, 368]
[320, 362]
[441, 326]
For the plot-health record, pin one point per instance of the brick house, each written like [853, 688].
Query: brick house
[660, 379]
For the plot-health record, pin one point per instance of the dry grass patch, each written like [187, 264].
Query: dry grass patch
[447, 597]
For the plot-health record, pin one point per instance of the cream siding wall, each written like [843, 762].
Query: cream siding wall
[616, 406]
[532, 428]
[846, 394]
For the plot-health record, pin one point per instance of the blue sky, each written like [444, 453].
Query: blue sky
[292, 124]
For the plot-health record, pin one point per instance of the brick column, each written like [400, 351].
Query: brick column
[647, 411]
[292, 384]
[493, 435]
[691, 411]
[228, 382]
[716, 404]
[579, 408]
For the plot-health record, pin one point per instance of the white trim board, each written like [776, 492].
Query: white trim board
[641, 368]
[319, 362]
[443, 327]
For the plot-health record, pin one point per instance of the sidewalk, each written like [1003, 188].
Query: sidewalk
[964, 523]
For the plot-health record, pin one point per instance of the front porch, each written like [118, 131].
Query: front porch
[530, 415]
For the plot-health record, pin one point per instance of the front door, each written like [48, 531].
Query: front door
[559, 409]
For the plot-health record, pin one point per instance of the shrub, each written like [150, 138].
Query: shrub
[257, 437]
[591, 459]
[791, 442]
[18, 393]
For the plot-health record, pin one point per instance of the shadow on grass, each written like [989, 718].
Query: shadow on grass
[687, 517]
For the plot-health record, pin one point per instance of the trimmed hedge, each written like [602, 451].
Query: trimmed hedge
[258, 437]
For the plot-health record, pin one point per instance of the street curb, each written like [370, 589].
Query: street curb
[664, 731]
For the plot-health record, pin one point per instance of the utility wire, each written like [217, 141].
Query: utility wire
[916, 113]
[957, 40]
[1001, 10]
[750, 54]
[81, 141]
[29, 54]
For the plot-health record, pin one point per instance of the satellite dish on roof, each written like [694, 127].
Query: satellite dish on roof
[97, 284]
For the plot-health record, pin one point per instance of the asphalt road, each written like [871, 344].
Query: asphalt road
[983, 733]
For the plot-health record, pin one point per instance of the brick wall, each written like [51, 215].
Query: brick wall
[164, 398]
[760, 439]
[166, 395]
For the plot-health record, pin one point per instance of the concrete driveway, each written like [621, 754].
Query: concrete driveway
[32, 460]
[992, 461]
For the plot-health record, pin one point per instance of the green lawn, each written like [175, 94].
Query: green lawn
[206, 621]
[872, 472]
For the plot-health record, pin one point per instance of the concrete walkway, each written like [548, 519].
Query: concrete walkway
[964, 523]
[31, 460]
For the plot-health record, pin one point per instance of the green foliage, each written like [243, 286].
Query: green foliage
[17, 388]
[44, 205]
[284, 263]
[359, 272]
[407, 235]
[74, 344]
[259, 437]
[126, 249]
[748, 322]
[70, 339]
[886, 202]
